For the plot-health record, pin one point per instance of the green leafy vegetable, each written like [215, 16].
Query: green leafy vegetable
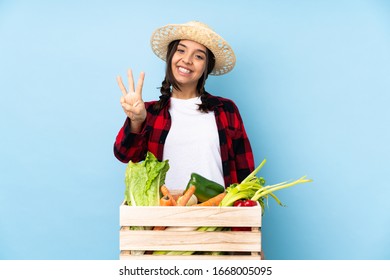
[143, 181]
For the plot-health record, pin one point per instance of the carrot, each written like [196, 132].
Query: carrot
[159, 228]
[166, 201]
[214, 201]
[182, 201]
[164, 190]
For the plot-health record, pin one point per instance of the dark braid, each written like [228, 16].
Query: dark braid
[164, 97]
[170, 81]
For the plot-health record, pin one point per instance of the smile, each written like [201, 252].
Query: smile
[184, 70]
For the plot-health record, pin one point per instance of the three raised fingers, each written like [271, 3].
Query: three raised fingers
[131, 83]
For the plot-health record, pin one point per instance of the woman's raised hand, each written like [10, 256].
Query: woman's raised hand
[131, 100]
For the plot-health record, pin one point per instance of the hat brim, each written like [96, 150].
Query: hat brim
[225, 59]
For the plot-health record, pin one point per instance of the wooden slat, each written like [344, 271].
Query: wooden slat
[190, 216]
[235, 241]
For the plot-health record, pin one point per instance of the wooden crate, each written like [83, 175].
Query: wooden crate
[235, 244]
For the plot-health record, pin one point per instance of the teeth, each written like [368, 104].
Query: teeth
[183, 70]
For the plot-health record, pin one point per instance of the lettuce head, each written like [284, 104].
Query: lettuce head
[143, 181]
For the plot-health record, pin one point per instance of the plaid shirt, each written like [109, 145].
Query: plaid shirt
[236, 152]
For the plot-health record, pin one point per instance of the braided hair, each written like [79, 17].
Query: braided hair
[170, 82]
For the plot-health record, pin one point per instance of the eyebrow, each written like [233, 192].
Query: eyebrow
[199, 50]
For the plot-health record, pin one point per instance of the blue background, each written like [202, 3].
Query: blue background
[311, 81]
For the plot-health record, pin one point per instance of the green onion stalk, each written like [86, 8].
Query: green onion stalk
[253, 188]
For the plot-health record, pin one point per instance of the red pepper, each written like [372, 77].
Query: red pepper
[243, 203]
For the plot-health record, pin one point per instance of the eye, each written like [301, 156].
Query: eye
[180, 50]
[200, 57]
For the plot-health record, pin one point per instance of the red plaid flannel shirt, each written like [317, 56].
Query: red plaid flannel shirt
[236, 152]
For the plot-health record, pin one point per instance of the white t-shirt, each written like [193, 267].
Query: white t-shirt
[192, 144]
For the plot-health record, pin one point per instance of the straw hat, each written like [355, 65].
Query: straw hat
[200, 33]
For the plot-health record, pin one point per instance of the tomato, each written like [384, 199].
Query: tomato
[245, 203]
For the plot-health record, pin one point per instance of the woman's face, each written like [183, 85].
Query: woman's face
[188, 63]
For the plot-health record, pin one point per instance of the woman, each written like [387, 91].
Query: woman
[194, 130]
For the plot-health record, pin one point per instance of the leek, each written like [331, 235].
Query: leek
[252, 187]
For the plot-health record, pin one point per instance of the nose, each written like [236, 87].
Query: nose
[187, 59]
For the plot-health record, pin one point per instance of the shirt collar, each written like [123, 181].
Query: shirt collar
[213, 100]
